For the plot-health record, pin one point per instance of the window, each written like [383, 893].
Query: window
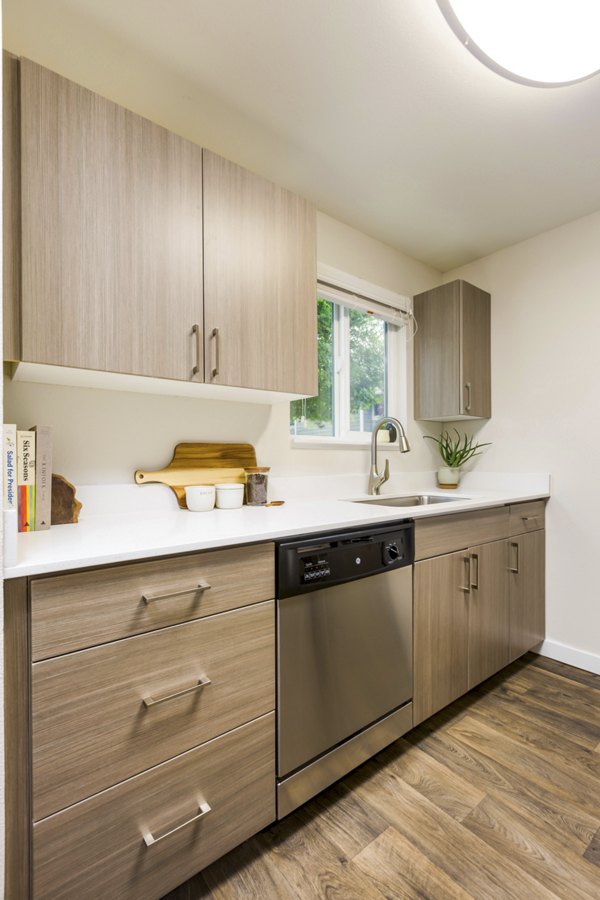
[361, 369]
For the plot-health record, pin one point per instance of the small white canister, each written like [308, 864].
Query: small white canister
[200, 497]
[229, 496]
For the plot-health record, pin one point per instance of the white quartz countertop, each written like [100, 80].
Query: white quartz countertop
[116, 528]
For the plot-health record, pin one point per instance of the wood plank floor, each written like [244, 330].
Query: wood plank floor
[498, 796]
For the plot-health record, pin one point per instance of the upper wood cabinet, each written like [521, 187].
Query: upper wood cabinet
[260, 308]
[452, 353]
[111, 234]
[139, 251]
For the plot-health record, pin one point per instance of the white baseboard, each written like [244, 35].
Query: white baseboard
[581, 659]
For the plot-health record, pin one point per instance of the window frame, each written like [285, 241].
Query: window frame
[338, 287]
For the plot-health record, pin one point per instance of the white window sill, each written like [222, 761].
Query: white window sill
[361, 442]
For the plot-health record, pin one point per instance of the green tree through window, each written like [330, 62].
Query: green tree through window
[351, 398]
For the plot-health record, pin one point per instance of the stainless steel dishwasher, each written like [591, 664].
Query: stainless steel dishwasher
[344, 654]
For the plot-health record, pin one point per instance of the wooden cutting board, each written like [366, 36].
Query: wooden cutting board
[201, 464]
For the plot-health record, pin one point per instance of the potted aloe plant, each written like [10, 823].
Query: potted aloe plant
[455, 452]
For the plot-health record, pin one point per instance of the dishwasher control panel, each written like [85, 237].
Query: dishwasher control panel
[311, 563]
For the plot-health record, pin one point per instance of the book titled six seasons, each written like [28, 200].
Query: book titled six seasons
[27, 462]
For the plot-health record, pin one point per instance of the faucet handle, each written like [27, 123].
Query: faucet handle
[386, 470]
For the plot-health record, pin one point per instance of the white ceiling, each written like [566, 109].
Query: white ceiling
[372, 109]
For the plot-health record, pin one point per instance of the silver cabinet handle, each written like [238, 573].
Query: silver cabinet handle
[149, 838]
[154, 701]
[152, 598]
[474, 582]
[530, 518]
[468, 403]
[215, 334]
[467, 587]
[198, 367]
[515, 568]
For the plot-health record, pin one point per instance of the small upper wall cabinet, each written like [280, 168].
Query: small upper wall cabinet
[452, 353]
[111, 234]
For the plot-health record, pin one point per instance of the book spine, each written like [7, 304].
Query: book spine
[10, 467]
[43, 476]
[26, 479]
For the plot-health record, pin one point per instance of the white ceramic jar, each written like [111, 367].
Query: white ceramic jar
[230, 496]
[200, 497]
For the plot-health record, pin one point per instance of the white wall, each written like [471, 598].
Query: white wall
[103, 436]
[546, 408]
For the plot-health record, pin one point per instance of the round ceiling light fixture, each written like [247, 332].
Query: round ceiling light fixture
[547, 43]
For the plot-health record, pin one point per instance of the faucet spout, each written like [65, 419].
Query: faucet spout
[376, 478]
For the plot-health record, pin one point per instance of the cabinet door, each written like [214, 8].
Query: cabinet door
[112, 234]
[488, 611]
[437, 362]
[440, 633]
[452, 353]
[259, 282]
[476, 399]
[526, 567]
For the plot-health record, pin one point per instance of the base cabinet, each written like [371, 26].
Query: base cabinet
[440, 634]
[478, 608]
[461, 624]
[142, 742]
[526, 576]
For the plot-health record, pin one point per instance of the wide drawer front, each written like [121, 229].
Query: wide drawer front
[142, 838]
[438, 535]
[70, 612]
[527, 517]
[100, 716]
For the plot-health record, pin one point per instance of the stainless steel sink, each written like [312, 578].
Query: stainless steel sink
[413, 500]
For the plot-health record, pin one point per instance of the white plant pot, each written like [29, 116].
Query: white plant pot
[447, 477]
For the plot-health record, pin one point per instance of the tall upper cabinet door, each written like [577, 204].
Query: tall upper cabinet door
[111, 234]
[259, 282]
[452, 353]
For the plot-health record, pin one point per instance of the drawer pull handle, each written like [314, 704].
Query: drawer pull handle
[530, 518]
[153, 701]
[149, 838]
[468, 403]
[152, 598]
[515, 568]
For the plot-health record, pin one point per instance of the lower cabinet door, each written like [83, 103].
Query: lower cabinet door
[526, 567]
[488, 611]
[440, 633]
[140, 839]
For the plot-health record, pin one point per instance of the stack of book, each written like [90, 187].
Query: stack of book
[28, 475]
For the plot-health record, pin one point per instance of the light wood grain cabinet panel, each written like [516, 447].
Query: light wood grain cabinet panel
[436, 535]
[82, 609]
[527, 516]
[96, 849]
[11, 207]
[440, 633]
[488, 611]
[461, 624]
[259, 282]
[92, 725]
[452, 355]
[526, 567]
[111, 234]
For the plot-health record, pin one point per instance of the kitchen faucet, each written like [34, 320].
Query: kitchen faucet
[376, 479]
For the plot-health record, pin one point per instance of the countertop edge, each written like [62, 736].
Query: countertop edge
[340, 514]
